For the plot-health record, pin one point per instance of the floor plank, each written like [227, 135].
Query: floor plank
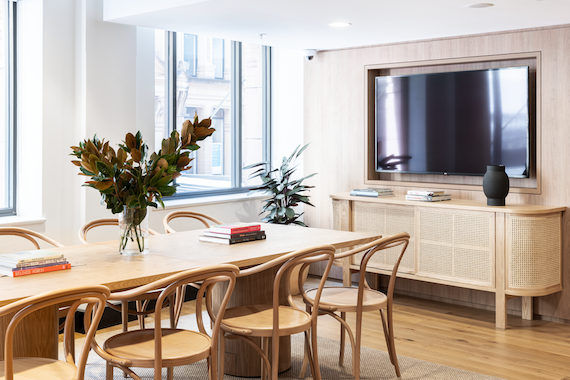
[463, 337]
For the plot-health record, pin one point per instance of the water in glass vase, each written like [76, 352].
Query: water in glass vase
[133, 232]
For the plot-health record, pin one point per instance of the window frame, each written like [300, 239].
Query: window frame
[236, 114]
[11, 107]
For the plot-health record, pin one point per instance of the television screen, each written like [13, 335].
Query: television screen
[453, 123]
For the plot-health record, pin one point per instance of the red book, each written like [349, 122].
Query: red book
[235, 228]
[52, 268]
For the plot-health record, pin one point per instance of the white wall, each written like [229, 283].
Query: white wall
[85, 76]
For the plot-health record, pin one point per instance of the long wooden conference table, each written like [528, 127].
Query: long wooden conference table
[169, 253]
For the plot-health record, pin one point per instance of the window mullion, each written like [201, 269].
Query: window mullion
[236, 88]
[266, 106]
[170, 83]
[11, 107]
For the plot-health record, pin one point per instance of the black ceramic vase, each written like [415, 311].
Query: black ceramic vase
[496, 185]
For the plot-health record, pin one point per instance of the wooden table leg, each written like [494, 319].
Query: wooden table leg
[500, 310]
[240, 359]
[35, 336]
[527, 311]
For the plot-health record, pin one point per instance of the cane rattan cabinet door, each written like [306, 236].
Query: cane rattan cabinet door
[386, 220]
[456, 245]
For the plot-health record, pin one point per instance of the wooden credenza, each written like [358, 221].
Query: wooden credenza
[513, 250]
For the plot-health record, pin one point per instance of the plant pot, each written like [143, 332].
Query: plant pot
[496, 185]
[133, 232]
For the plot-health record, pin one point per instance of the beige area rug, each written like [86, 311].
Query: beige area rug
[375, 364]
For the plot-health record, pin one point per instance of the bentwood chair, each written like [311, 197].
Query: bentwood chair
[35, 238]
[273, 320]
[31, 236]
[141, 302]
[100, 223]
[206, 220]
[362, 299]
[160, 347]
[51, 369]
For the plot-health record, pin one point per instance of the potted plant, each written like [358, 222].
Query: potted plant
[129, 182]
[286, 193]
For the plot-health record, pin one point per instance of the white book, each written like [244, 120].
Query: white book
[426, 192]
[374, 190]
[428, 198]
[28, 256]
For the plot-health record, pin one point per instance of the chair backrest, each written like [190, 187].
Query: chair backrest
[286, 263]
[92, 296]
[205, 219]
[29, 235]
[203, 279]
[100, 223]
[400, 240]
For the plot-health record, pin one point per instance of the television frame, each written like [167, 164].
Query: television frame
[531, 185]
[428, 127]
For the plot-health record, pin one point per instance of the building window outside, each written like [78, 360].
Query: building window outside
[7, 107]
[231, 86]
[190, 53]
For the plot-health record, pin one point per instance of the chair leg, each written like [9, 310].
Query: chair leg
[72, 340]
[221, 355]
[108, 371]
[265, 372]
[124, 323]
[356, 348]
[169, 373]
[389, 335]
[315, 354]
[305, 350]
[140, 317]
[342, 339]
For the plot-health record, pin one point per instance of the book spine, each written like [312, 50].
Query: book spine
[17, 262]
[41, 262]
[41, 265]
[420, 192]
[25, 272]
[244, 239]
[233, 236]
[363, 194]
[236, 230]
[427, 198]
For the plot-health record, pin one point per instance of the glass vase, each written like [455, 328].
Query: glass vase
[133, 232]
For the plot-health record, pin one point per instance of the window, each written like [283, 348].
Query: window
[7, 107]
[227, 81]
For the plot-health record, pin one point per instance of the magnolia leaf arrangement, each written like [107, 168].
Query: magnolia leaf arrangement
[286, 192]
[126, 178]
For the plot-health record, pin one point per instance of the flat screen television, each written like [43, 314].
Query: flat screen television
[454, 123]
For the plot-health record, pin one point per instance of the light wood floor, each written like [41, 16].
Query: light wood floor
[465, 338]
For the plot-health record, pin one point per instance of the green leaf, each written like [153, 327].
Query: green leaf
[290, 213]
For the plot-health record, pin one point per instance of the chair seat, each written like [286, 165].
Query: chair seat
[179, 347]
[259, 319]
[40, 369]
[345, 299]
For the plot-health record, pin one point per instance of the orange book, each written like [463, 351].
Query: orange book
[51, 268]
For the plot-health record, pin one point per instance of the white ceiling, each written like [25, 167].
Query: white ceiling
[304, 24]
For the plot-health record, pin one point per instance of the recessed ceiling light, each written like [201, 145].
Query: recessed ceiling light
[480, 5]
[340, 24]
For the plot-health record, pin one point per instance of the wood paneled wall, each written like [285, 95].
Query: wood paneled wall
[336, 124]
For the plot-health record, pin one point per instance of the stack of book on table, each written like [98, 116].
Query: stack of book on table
[233, 233]
[372, 192]
[427, 195]
[31, 262]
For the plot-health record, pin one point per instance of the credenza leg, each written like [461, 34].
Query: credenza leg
[527, 310]
[500, 310]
